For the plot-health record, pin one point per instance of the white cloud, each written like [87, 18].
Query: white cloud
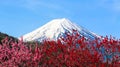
[40, 4]
[36, 4]
[31, 4]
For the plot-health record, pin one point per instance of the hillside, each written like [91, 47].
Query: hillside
[3, 35]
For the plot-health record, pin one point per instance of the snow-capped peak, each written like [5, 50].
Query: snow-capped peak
[53, 30]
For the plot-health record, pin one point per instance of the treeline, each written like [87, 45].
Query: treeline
[4, 35]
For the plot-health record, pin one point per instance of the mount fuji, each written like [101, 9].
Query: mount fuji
[54, 29]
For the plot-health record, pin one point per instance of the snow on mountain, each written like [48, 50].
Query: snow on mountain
[53, 29]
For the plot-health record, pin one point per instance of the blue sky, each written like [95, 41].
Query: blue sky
[18, 17]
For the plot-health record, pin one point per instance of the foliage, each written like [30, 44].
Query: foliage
[3, 35]
[72, 51]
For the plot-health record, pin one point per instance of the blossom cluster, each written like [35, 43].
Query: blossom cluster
[72, 51]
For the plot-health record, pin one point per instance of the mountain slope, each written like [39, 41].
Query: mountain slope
[55, 28]
[3, 35]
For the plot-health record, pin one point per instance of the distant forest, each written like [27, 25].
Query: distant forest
[4, 35]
